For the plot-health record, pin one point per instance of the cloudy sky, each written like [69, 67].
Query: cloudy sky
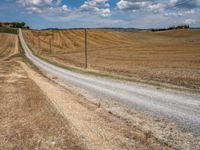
[101, 13]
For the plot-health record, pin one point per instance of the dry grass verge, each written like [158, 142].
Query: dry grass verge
[27, 119]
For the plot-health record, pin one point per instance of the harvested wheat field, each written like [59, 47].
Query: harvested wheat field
[8, 45]
[169, 56]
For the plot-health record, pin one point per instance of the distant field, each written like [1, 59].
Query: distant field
[169, 57]
[8, 45]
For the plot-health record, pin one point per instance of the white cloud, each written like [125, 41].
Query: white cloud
[159, 7]
[147, 13]
[65, 8]
[124, 5]
[190, 21]
[106, 12]
[180, 13]
[133, 5]
[95, 3]
[100, 7]
[80, 19]
[49, 7]
[43, 6]
[173, 2]
[34, 3]
[156, 5]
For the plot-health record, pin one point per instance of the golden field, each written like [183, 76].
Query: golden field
[8, 45]
[169, 57]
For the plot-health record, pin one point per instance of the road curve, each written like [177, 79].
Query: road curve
[184, 108]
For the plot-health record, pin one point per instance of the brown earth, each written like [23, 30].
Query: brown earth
[169, 57]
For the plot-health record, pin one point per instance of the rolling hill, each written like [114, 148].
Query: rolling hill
[168, 56]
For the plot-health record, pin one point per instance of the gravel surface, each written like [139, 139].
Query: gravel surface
[182, 107]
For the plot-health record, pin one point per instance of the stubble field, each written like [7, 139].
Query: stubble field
[169, 57]
[8, 45]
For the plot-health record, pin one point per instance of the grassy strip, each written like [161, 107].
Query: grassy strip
[27, 61]
[8, 30]
[83, 71]
[158, 85]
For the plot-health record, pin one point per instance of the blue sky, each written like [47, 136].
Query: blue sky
[101, 13]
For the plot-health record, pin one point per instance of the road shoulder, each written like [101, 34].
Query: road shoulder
[27, 119]
[110, 126]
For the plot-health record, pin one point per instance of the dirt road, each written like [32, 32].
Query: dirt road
[182, 107]
[36, 113]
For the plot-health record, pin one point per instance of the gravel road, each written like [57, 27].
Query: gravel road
[181, 107]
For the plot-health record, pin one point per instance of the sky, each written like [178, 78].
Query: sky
[143, 14]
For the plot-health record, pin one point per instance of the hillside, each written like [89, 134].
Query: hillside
[169, 56]
[8, 45]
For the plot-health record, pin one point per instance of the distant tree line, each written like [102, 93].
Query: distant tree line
[14, 25]
[172, 28]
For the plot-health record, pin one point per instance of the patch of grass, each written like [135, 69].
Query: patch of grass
[30, 63]
[8, 30]
[117, 77]
[83, 71]
[27, 61]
